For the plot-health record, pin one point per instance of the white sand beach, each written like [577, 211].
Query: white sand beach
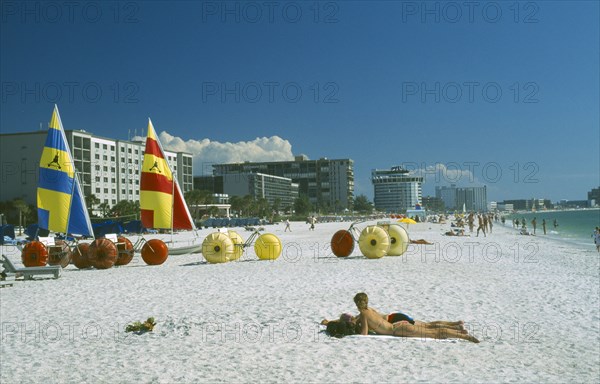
[532, 301]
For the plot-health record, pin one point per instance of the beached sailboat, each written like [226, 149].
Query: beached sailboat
[60, 201]
[162, 203]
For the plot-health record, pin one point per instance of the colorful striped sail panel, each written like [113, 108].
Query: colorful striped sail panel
[161, 202]
[61, 206]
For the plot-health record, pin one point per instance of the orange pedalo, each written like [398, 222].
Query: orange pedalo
[59, 254]
[102, 253]
[125, 251]
[79, 257]
[155, 252]
[34, 254]
[342, 243]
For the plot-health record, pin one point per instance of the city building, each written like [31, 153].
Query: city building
[472, 199]
[107, 168]
[395, 189]
[593, 197]
[455, 198]
[529, 204]
[433, 204]
[213, 184]
[329, 184]
[260, 185]
[447, 195]
[501, 207]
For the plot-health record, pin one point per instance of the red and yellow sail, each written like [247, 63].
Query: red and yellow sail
[161, 201]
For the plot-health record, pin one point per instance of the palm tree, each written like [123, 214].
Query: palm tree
[90, 201]
[104, 208]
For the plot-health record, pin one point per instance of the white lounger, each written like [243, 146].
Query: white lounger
[29, 272]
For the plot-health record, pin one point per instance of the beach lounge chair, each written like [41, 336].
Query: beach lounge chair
[9, 269]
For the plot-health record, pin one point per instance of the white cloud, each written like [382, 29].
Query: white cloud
[207, 152]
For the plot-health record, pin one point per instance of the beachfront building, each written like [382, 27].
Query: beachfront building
[258, 185]
[455, 198]
[107, 168]
[395, 189]
[447, 195]
[433, 204]
[328, 183]
[472, 198]
[529, 204]
[594, 197]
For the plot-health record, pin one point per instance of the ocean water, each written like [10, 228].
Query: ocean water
[574, 226]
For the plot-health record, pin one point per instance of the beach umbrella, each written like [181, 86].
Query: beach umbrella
[407, 220]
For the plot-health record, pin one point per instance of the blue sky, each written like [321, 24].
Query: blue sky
[504, 94]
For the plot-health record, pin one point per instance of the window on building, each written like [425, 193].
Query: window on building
[96, 145]
[104, 146]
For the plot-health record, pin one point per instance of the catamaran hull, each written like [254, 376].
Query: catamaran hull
[184, 250]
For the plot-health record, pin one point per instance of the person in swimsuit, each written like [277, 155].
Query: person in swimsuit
[371, 320]
[396, 317]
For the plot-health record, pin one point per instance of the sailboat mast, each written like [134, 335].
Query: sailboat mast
[172, 204]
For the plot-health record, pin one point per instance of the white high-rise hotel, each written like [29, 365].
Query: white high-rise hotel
[107, 168]
[395, 189]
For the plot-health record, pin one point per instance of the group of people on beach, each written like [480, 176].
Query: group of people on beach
[523, 225]
[370, 321]
[484, 224]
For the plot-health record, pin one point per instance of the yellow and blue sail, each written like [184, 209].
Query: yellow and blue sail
[61, 205]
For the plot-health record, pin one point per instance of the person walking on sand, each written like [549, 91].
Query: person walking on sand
[490, 224]
[596, 236]
[371, 320]
[287, 226]
[534, 224]
[312, 221]
[480, 225]
[544, 225]
[471, 221]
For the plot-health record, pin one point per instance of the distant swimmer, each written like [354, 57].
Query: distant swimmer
[544, 225]
[555, 223]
